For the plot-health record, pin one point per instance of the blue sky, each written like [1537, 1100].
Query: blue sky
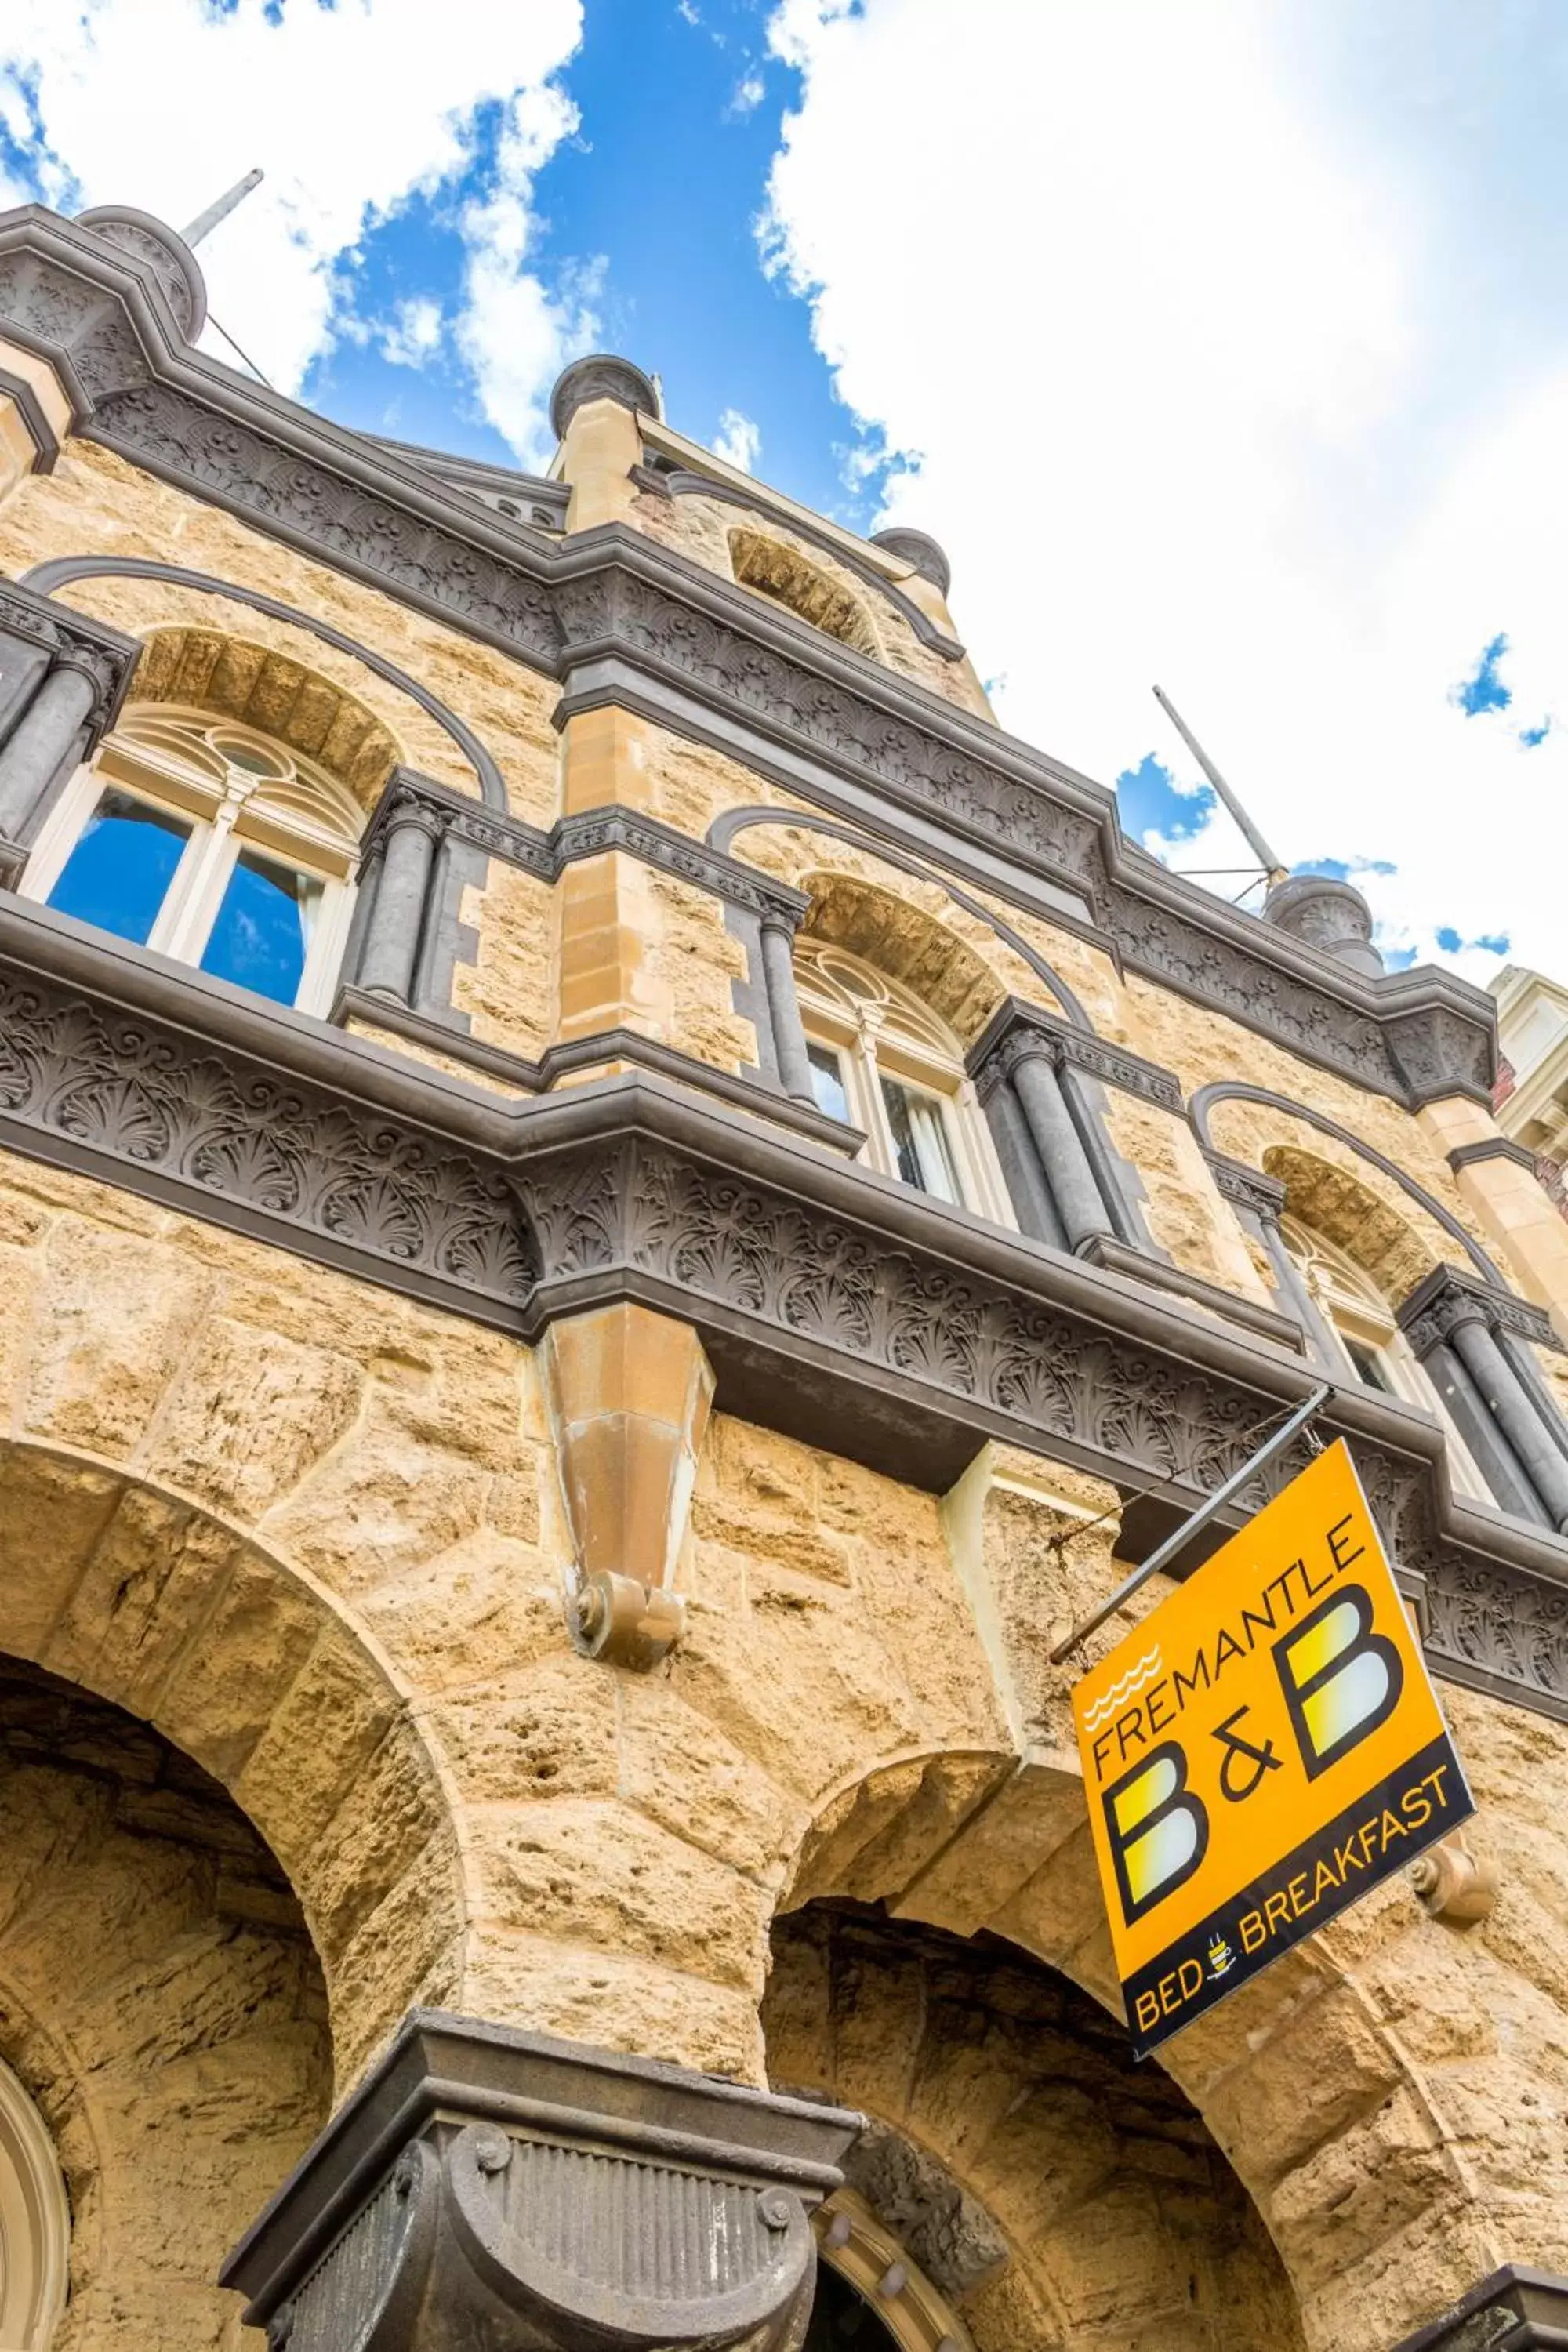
[984, 270]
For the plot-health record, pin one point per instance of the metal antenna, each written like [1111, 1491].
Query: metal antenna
[1266, 858]
[205, 223]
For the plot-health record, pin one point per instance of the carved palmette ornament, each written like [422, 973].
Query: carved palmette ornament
[529, 2245]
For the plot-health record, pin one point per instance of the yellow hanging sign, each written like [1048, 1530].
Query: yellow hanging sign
[1261, 1752]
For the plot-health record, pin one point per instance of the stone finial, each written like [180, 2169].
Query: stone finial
[600, 375]
[1327, 914]
[162, 253]
[917, 546]
[1454, 1883]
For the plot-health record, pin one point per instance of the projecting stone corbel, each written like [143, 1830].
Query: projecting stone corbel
[487, 2186]
[629, 1393]
[1455, 1884]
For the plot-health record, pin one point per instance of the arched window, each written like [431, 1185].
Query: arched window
[1367, 1342]
[882, 1061]
[213, 843]
[34, 2224]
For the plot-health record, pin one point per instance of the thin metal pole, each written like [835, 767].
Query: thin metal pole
[1181, 1537]
[205, 223]
[1255, 841]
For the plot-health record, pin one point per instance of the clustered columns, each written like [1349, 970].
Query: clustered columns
[1475, 1342]
[483, 2186]
[62, 680]
[1054, 1155]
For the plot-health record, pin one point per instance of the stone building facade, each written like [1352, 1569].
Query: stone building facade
[615, 1209]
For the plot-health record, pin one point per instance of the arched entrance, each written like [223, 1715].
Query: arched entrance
[164, 2056]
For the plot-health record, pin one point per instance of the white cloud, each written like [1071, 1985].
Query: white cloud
[413, 333]
[349, 110]
[747, 96]
[738, 441]
[1192, 374]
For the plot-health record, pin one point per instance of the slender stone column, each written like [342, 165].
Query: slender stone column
[783, 1008]
[40, 742]
[1515, 1416]
[391, 935]
[1021, 1170]
[1060, 1146]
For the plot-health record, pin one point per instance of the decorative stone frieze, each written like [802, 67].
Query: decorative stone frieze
[1514, 2310]
[831, 1304]
[1016, 1029]
[487, 2186]
[1244, 1187]
[68, 292]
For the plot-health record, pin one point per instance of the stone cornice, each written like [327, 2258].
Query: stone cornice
[1491, 1147]
[104, 320]
[590, 833]
[833, 1302]
[1246, 1188]
[1515, 2310]
[1016, 1029]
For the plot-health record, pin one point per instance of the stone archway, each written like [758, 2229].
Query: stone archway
[163, 2024]
[146, 1599]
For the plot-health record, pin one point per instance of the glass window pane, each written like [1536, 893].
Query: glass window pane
[1369, 1366]
[264, 927]
[920, 1140]
[827, 1082]
[118, 873]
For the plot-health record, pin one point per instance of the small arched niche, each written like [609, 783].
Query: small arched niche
[774, 569]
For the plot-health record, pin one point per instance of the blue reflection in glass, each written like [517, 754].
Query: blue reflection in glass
[263, 927]
[118, 875]
[827, 1081]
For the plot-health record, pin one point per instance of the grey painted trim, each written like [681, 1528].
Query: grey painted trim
[724, 828]
[1097, 1058]
[1280, 1330]
[832, 1301]
[46, 441]
[1491, 1147]
[1502, 1307]
[920, 549]
[99, 314]
[1244, 1187]
[587, 832]
[1237, 1090]
[47, 579]
[439, 1035]
[102, 653]
[486, 481]
[683, 482]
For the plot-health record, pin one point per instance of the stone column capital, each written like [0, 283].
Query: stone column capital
[1516, 2309]
[486, 2185]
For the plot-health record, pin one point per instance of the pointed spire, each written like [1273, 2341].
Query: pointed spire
[1254, 838]
[205, 223]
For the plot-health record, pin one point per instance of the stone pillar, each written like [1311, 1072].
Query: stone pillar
[1075, 1193]
[1471, 1336]
[629, 1393]
[487, 2186]
[1328, 915]
[595, 409]
[783, 1006]
[48, 732]
[390, 948]
[1021, 1170]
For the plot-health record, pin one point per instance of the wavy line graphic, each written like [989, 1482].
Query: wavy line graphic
[1131, 1681]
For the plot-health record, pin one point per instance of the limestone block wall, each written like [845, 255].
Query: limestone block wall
[161, 2001]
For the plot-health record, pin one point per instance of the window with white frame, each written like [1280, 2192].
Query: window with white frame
[213, 844]
[883, 1062]
[1368, 1343]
